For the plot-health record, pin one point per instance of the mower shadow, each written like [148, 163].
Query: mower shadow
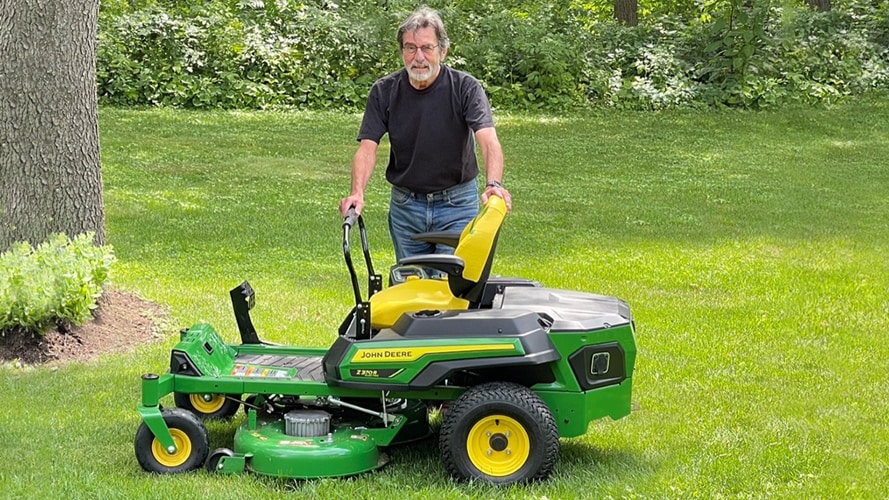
[579, 459]
[408, 463]
[421, 459]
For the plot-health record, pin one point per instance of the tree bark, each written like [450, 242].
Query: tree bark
[49, 127]
[626, 12]
[819, 5]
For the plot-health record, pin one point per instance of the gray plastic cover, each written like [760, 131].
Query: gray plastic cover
[570, 310]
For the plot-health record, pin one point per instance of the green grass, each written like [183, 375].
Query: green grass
[751, 246]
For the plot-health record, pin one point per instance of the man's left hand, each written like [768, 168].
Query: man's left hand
[499, 191]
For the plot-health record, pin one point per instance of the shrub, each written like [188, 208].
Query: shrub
[526, 59]
[246, 55]
[644, 67]
[255, 54]
[59, 282]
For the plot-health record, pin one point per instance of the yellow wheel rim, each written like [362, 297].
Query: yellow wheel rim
[183, 450]
[207, 403]
[498, 445]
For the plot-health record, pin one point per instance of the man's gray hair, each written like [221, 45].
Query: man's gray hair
[424, 17]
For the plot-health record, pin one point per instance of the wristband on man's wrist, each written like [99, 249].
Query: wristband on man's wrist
[494, 184]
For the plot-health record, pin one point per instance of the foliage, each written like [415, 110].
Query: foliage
[56, 283]
[525, 62]
[530, 54]
[639, 68]
[244, 56]
[759, 55]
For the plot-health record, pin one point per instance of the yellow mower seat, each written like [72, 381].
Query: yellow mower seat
[412, 295]
[467, 272]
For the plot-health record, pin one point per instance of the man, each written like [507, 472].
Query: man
[433, 115]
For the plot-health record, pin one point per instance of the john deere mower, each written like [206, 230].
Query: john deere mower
[512, 365]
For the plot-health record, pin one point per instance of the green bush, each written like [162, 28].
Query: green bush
[641, 67]
[248, 55]
[255, 54]
[524, 60]
[760, 55]
[56, 283]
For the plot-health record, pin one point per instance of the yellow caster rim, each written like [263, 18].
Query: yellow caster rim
[171, 460]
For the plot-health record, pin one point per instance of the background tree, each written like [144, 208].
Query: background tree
[819, 5]
[626, 12]
[49, 132]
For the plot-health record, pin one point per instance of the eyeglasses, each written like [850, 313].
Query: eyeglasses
[411, 49]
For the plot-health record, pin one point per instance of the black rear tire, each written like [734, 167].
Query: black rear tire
[499, 432]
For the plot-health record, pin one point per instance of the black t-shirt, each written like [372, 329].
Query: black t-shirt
[430, 130]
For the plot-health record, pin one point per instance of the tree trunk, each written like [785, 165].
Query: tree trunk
[819, 5]
[626, 12]
[49, 126]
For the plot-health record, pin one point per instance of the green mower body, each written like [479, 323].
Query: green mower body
[512, 373]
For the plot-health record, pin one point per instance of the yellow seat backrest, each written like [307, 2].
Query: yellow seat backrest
[476, 247]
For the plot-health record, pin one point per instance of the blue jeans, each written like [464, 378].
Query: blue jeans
[412, 213]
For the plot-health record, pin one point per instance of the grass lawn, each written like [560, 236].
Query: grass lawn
[751, 246]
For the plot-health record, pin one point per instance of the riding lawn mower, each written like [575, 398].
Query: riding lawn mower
[513, 366]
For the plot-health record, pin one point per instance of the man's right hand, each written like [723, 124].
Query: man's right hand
[353, 200]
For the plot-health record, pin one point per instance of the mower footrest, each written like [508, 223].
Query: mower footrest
[308, 368]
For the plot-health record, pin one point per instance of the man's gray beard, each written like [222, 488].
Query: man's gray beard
[422, 75]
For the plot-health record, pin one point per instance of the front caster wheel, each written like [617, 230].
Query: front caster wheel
[215, 457]
[499, 433]
[208, 406]
[189, 436]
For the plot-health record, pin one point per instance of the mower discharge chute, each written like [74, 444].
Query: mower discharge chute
[514, 366]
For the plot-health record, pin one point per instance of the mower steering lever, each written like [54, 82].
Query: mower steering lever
[350, 218]
[349, 222]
